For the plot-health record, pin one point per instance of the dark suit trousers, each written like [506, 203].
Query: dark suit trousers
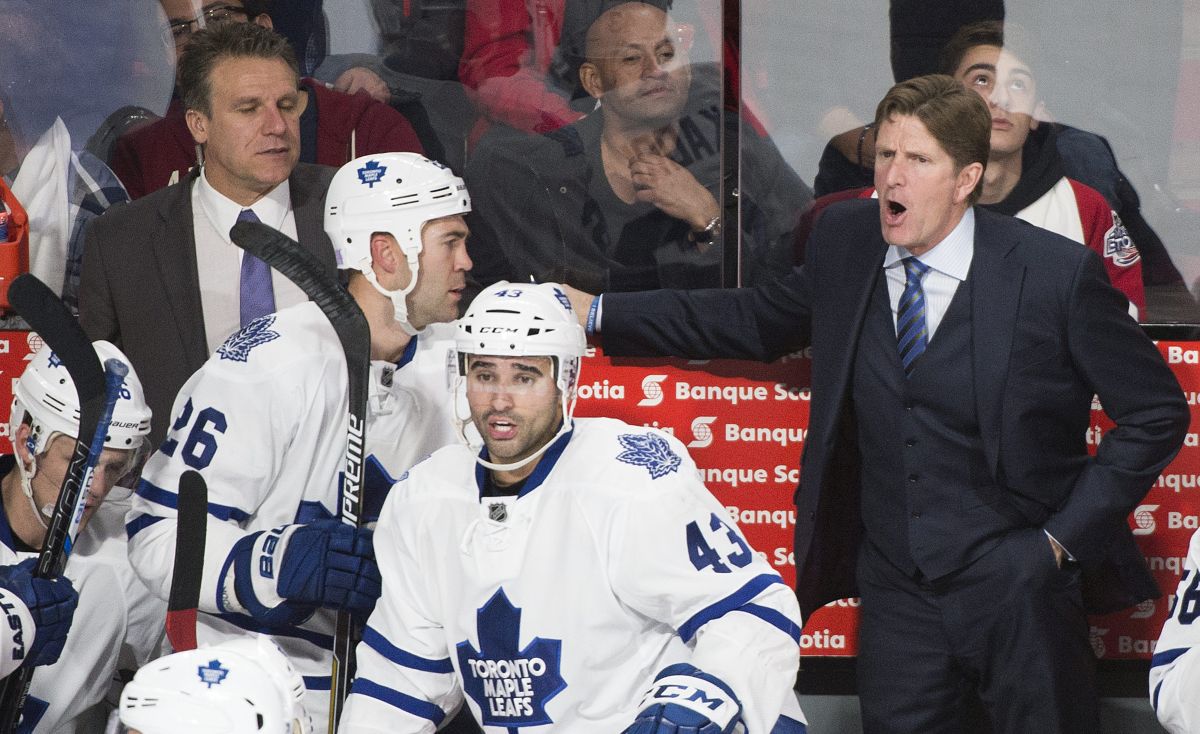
[1010, 628]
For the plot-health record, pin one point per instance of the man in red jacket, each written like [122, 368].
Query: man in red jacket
[334, 128]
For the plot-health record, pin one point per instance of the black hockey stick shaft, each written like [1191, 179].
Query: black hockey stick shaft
[97, 390]
[302, 268]
[190, 536]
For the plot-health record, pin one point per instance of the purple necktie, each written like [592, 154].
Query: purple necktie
[256, 295]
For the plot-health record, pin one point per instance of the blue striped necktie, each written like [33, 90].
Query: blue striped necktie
[911, 332]
[256, 295]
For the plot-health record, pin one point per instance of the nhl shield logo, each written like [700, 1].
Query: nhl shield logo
[497, 512]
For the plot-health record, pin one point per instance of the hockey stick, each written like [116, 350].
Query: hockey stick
[302, 268]
[191, 530]
[97, 390]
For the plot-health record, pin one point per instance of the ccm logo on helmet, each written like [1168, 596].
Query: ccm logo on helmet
[498, 330]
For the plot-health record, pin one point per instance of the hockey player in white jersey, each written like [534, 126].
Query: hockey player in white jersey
[241, 686]
[1175, 667]
[569, 575]
[264, 421]
[43, 423]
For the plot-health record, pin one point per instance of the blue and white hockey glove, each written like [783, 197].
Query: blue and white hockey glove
[39, 617]
[685, 700]
[282, 576]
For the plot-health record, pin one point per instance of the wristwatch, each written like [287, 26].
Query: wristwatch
[711, 231]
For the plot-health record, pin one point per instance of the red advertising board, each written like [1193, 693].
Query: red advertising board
[745, 425]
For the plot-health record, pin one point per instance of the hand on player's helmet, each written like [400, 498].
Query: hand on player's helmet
[685, 700]
[284, 575]
[51, 607]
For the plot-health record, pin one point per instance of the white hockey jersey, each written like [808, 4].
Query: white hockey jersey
[264, 422]
[555, 609]
[1175, 667]
[68, 696]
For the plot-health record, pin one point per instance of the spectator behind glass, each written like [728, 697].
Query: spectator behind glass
[1024, 175]
[626, 198]
[334, 128]
[42, 98]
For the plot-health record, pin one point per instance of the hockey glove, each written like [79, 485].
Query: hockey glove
[50, 604]
[283, 575]
[685, 700]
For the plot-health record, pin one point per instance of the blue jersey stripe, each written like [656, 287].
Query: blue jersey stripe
[786, 725]
[402, 701]
[775, 618]
[318, 682]
[325, 642]
[160, 496]
[140, 523]
[751, 589]
[1167, 656]
[381, 645]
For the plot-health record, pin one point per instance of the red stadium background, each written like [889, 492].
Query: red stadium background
[745, 425]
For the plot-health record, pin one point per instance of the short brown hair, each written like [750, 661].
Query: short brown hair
[1010, 36]
[957, 118]
[230, 39]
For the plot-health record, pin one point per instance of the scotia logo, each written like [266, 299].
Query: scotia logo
[1143, 519]
[702, 432]
[652, 389]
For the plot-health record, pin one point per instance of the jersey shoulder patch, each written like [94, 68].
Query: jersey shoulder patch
[237, 348]
[648, 450]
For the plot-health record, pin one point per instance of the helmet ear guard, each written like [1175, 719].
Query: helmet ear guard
[521, 320]
[394, 193]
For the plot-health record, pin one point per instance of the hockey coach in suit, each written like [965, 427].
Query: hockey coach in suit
[161, 277]
[945, 478]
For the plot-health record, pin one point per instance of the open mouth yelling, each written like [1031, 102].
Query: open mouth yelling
[501, 428]
[893, 212]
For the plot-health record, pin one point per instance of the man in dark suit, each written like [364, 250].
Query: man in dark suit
[161, 277]
[945, 477]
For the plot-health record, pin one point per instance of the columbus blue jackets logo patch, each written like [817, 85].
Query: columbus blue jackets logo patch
[371, 173]
[237, 347]
[213, 673]
[650, 451]
[1119, 246]
[511, 685]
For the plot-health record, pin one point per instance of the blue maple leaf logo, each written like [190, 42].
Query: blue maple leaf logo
[213, 673]
[511, 686]
[371, 173]
[237, 347]
[54, 360]
[650, 451]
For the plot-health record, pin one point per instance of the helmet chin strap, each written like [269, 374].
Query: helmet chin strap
[568, 423]
[42, 514]
[397, 297]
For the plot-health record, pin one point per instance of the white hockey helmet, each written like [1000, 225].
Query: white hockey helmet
[45, 396]
[241, 686]
[396, 193]
[522, 320]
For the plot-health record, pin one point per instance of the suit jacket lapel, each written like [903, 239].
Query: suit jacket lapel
[174, 249]
[997, 281]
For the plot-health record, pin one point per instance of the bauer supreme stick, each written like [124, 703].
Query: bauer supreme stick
[191, 529]
[302, 268]
[98, 390]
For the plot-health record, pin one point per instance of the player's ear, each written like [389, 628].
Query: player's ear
[23, 447]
